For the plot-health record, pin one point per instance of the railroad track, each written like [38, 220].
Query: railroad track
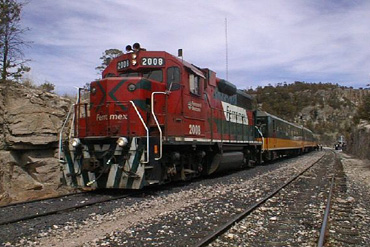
[39, 200]
[325, 220]
[221, 205]
[340, 232]
[237, 218]
[339, 227]
[195, 225]
[39, 208]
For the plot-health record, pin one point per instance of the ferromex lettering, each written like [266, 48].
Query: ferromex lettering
[111, 117]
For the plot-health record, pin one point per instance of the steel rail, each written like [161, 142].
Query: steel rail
[16, 204]
[222, 229]
[326, 216]
[51, 212]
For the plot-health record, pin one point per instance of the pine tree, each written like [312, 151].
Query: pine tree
[12, 63]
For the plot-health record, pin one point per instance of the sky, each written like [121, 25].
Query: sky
[268, 41]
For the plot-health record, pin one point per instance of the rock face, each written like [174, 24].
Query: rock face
[332, 114]
[30, 122]
[358, 143]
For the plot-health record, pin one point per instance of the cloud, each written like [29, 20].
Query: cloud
[267, 40]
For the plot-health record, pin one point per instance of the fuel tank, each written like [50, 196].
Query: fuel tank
[226, 161]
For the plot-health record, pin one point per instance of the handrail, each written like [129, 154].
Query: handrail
[61, 133]
[156, 122]
[65, 122]
[147, 131]
[73, 127]
[263, 139]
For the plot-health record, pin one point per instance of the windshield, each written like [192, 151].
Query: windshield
[156, 75]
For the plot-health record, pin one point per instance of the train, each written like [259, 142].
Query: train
[154, 118]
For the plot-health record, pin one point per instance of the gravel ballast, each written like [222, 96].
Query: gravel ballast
[150, 221]
[178, 214]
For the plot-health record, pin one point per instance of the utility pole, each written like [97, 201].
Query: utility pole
[227, 51]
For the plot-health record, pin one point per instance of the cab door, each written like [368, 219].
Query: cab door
[174, 101]
[194, 107]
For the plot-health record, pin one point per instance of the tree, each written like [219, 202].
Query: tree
[107, 57]
[12, 64]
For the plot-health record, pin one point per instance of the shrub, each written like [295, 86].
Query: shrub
[47, 87]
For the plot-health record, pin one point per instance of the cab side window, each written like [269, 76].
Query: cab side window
[173, 78]
[194, 83]
[109, 75]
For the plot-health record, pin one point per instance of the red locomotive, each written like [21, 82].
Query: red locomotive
[154, 118]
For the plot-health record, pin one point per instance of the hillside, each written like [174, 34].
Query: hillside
[325, 108]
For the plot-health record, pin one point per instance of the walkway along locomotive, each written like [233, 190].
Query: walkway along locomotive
[154, 118]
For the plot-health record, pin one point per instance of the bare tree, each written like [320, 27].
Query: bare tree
[12, 64]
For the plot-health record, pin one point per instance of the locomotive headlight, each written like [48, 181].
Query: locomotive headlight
[134, 62]
[76, 142]
[93, 90]
[134, 56]
[122, 141]
[131, 87]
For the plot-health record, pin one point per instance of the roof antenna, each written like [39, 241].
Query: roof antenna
[227, 52]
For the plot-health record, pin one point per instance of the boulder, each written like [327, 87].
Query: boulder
[32, 118]
[30, 123]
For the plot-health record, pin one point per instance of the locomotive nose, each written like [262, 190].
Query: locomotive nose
[111, 105]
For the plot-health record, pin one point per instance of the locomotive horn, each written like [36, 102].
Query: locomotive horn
[136, 46]
[128, 48]
[179, 52]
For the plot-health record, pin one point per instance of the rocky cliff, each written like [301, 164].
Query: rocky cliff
[331, 112]
[358, 141]
[30, 122]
